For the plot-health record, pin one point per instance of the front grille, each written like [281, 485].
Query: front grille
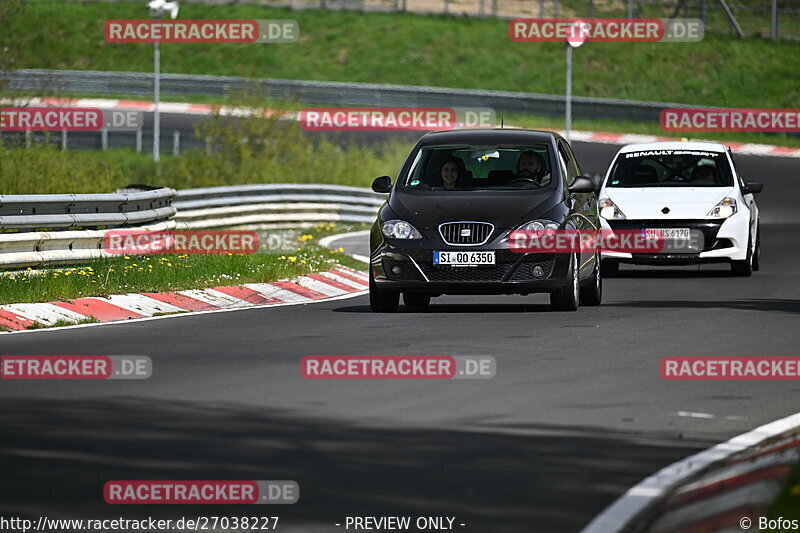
[465, 233]
[475, 274]
[709, 228]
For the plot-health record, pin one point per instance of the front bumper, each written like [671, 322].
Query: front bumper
[724, 240]
[411, 270]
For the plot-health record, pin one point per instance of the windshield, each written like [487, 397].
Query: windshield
[480, 167]
[671, 168]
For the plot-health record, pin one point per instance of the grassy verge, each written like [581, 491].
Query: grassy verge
[787, 506]
[420, 50]
[158, 273]
[643, 128]
[247, 150]
[45, 169]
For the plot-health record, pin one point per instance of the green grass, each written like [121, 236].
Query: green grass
[787, 505]
[421, 50]
[60, 323]
[158, 273]
[624, 126]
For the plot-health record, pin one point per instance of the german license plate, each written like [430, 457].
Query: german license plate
[667, 233]
[466, 258]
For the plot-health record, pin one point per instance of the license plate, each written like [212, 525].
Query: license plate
[471, 258]
[667, 233]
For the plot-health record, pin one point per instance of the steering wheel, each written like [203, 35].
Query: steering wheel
[527, 180]
[679, 178]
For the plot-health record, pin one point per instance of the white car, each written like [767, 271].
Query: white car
[676, 190]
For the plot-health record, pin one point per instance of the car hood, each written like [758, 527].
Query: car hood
[506, 209]
[683, 203]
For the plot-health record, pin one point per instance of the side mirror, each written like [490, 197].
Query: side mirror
[382, 184]
[582, 184]
[753, 187]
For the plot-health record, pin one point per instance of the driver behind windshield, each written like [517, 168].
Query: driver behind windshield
[704, 173]
[453, 174]
[531, 166]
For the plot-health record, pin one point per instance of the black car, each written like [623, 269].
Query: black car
[445, 227]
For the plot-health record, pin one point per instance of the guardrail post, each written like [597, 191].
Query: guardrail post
[630, 9]
[139, 141]
[774, 24]
[64, 139]
[480, 14]
[541, 9]
[591, 9]
[27, 138]
[176, 142]
[555, 9]
[703, 9]
[104, 139]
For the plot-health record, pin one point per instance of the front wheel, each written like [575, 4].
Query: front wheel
[567, 298]
[382, 301]
[757, 252]
[593, 294]
[744, 268]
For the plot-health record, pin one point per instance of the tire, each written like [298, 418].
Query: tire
[610, 268]
[593, 294]
[417, 300]
[382, 301]
[757, 253]
[568, 297]
[743, 268]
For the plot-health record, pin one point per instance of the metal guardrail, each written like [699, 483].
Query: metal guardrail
[335, 93]
[36, 249]
[36, 211]
[275, 204]
[271, 205]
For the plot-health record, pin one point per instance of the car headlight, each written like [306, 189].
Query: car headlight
[538, 225]
[610, 211]
[399, 229]
[725, 208]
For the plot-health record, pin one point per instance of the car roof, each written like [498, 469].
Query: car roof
[674, 145]
[489, 136]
